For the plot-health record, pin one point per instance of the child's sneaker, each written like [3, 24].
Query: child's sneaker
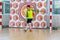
[25, 29]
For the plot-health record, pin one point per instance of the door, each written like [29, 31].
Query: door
[6, 13]
[56, 13]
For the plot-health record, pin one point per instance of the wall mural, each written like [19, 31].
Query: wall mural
[18, 13]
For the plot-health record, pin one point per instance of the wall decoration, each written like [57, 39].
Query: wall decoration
[18, 13]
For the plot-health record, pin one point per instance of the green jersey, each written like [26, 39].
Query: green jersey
[29, 14]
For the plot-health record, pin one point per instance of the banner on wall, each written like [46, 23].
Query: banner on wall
[18, 13]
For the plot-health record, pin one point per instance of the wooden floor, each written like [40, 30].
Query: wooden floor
[36, 34]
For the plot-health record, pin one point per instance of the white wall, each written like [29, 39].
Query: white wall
[0, 0]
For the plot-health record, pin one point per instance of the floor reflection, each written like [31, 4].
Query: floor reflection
[36, 34]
